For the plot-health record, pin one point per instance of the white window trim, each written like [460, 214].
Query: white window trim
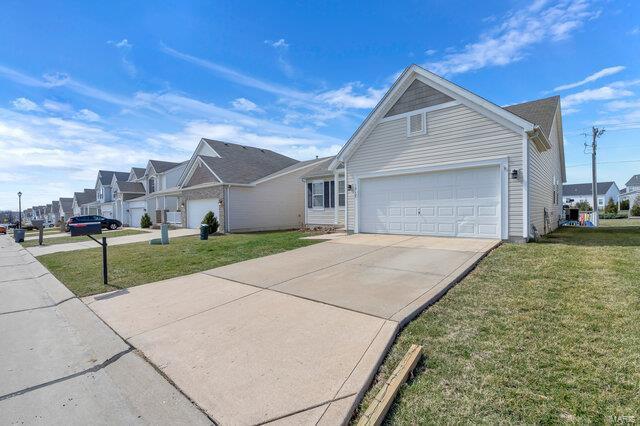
[423, 117]
[344, 192]
[313, 194]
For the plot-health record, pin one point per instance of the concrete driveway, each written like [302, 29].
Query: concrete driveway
[293, 338]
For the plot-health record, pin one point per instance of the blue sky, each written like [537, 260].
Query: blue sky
[87, 85]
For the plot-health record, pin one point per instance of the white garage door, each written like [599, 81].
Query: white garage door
[196, 209]
[135, 216]
[463, 202]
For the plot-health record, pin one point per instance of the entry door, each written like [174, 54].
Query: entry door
[462, 202]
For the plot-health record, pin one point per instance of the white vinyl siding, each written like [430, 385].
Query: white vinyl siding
[324, 216]
[455, 134]
[543, 167]
[274, 204]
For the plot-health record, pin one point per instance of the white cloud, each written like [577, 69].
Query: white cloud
[600, 94]
[635, 31]
[125, 50]
[345, 97]
[24, 104]
[87, 115]
[56, 106]
[278, 44]
[622, 105]
[243, 104]
[430, 52]
[593, 77]
[511, 39]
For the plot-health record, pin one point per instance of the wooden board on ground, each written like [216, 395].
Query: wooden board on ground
[382, 402]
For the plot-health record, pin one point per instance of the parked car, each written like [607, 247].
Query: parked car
[105, 222]
[3, 228]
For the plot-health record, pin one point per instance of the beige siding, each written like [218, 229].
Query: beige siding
[324, 216]
[543, 166]
[275, 204]
[454, 134]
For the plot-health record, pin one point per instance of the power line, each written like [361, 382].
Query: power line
[605, 162]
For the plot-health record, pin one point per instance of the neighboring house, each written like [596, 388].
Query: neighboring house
[84, 202]
[247, 188]
[65, 208]
[55, 212]
[156, 193]
[125, 211]
[577, 192]
[104, 203]
[325, 201]
[632, 191]
[433, 158]
[48, 213]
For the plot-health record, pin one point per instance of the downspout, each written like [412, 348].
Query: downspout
[336, 204]
[227, 199]
[346, 201]
[525, 188]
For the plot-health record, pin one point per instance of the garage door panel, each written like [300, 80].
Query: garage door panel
[197, 209]
[458, 202]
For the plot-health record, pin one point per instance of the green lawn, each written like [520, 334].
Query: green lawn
[619, 222]
[62, 240]
[546, 332]
[54, 230]
[140, 263]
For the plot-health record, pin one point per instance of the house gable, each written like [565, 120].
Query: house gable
[199, 175]
[435, 84]
[203, 148]
[417, 96]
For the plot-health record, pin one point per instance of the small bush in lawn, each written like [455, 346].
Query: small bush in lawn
[145, 221]
[624, 205]
[211, 221]
[583, 206]
[635, 210]
[611, 207]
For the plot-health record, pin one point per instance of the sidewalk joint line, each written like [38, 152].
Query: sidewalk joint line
[93, 369]
[38, 307]
[293, 413]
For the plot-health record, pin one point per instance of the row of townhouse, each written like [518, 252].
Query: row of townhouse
[432, 158]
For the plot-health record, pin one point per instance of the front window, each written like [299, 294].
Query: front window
[152, 185]
[600, 202]
[341, 194]
[318, 194]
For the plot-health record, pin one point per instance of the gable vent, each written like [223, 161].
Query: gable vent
[416, 124]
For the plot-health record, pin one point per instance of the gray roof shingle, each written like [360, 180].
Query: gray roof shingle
[634, 181]
[138, 172]
[163, 166]
[66, 204]
[88, 196]
[585, 188]
[244, 164]
[106, 176]
[131, 187]
[320, 170]
[540, 112]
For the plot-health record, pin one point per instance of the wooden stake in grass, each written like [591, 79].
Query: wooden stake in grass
[382, 402]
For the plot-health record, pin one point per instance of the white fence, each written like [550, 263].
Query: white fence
[174, 218]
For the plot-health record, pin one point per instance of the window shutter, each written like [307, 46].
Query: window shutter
[309, 195]
[333, 193]
[327, 199]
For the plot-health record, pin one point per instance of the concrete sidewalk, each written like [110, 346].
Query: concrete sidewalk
[46, 236]
[85, 243]
[292, 338]
[60, 364]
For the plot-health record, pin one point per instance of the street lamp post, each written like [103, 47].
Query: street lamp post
[19, 210]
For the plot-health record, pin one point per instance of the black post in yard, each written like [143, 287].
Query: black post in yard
[105, 277]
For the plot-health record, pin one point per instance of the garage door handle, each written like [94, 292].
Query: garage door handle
[419, 212]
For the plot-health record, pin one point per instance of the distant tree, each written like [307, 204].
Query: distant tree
[145, 221]
[635, 210]
[211, 220]
[611, 207]
[583, 206]
[624, 205]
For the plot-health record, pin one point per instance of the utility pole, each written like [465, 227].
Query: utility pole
[595, 134]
